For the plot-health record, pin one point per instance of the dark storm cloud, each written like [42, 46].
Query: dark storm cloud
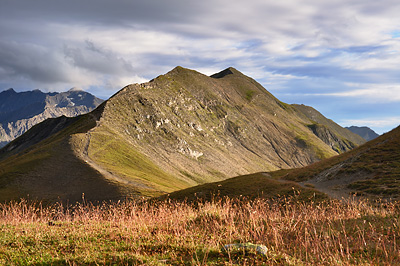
[103, 12]
[30, 61]
[96, 59]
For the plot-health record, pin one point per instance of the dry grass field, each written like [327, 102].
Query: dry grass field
[181, 233]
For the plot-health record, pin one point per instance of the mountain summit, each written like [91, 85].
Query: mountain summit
[178, 130]
[365, 132]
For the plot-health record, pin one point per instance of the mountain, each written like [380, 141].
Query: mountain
[338, 138]
[179, 130]
[20, 111]
[365, 132]
[371, 170]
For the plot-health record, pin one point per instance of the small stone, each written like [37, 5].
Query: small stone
[259, 249]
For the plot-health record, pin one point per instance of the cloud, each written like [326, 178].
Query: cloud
[96, 59]
[376, 93]
[314, 50]
[28, 59]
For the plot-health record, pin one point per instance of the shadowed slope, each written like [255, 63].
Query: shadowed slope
[50, 171]
[258, 185]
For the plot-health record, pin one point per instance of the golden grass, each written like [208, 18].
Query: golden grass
[179, 233]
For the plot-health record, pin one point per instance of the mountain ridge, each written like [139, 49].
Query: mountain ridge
[19, 111]
[180, 129]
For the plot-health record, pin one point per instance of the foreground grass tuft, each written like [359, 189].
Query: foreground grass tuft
[176, 233]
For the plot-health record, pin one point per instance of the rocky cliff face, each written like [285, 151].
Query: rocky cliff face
[20, 111]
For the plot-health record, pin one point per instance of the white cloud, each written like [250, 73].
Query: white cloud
[345, 48]
[376, 93]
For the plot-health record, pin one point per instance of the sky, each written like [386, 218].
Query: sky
[341, 57]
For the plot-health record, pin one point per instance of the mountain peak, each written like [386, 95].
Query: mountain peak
[182, 129]
[225, 72]
[10, 90]
[365, 132]
[19, 111]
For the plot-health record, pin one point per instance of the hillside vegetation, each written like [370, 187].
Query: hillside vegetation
[258, 185]
[266, 232]
[371, 170]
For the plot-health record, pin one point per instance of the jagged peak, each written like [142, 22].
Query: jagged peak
[10, 90]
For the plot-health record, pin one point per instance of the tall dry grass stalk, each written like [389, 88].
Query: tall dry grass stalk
[151, 233]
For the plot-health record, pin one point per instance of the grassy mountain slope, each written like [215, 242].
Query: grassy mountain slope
[372, 169]
[202, 129]
[258, 185]
[178, 130]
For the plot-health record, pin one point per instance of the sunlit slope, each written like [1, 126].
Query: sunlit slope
[202, 129]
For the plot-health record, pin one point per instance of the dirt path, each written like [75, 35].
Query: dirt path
[329, 187]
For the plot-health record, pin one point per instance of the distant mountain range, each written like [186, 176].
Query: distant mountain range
[179, 130]
[19, 111]
[365, 132]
